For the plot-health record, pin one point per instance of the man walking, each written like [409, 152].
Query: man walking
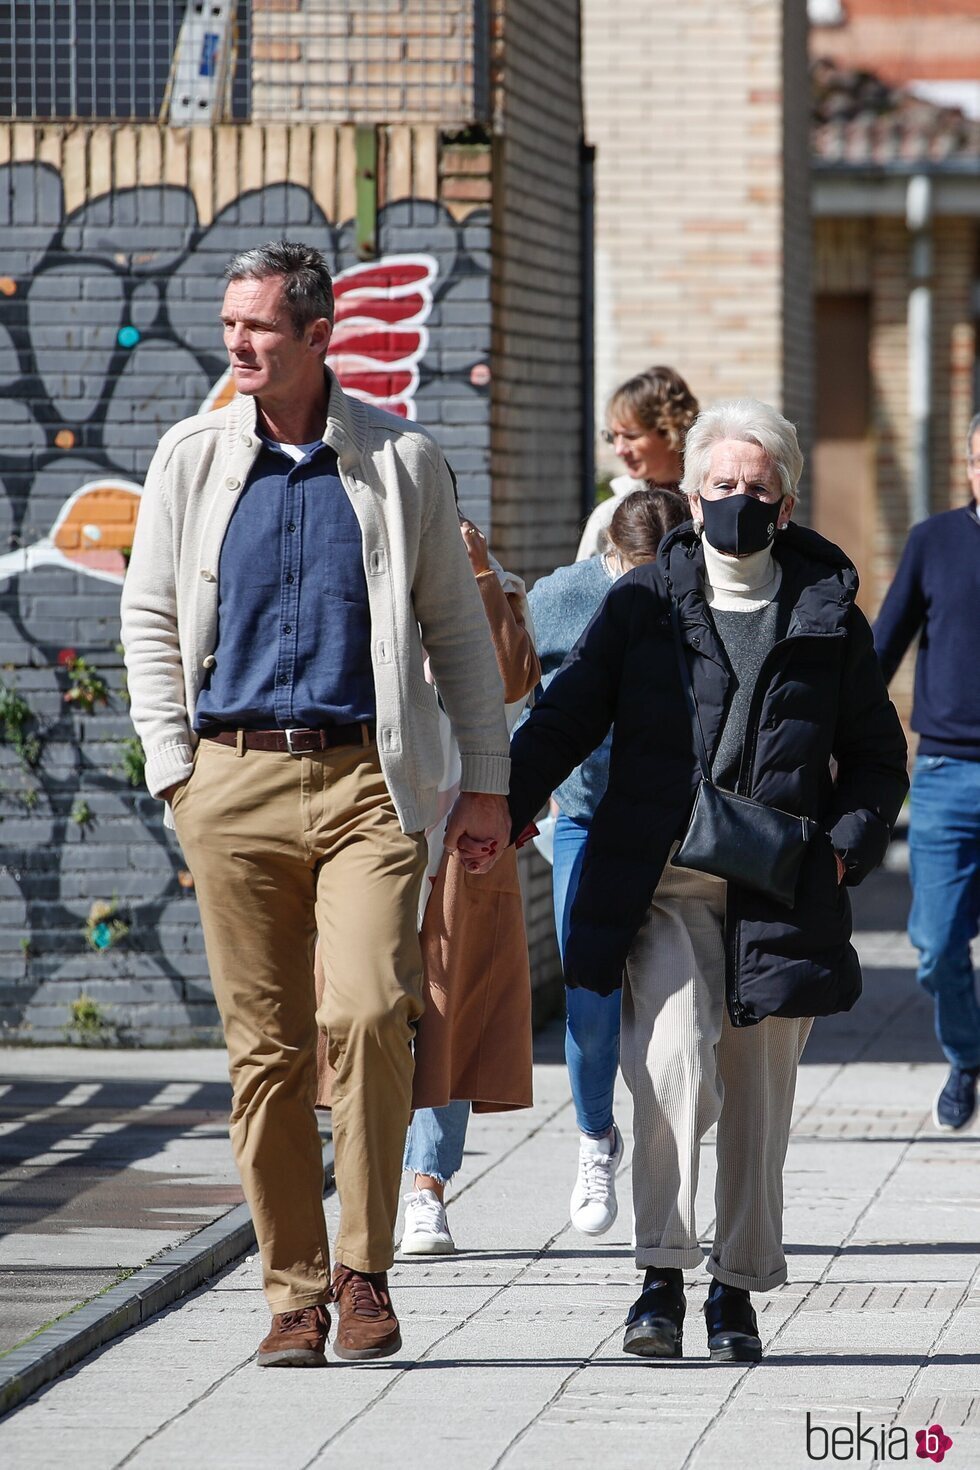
[294, 551]
[936, 591]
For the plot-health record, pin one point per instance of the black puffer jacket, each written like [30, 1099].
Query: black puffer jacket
[820, 698]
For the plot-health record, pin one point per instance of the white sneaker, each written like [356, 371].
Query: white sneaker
[593, 1204]
[426, 1226]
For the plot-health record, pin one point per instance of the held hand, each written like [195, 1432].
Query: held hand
[476, 547]
[478, 830]
[168, 795]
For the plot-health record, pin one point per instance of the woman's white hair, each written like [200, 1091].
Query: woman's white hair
[752, 422]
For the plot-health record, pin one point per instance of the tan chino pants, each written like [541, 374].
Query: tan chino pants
[687, 1067]
[281, 848]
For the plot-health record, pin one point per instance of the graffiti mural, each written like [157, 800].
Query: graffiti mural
[108, 335]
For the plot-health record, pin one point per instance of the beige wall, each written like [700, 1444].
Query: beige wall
[871, 257]
[702, 231]
[346, 61]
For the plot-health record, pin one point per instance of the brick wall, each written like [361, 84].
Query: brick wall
[872, 256]
[112, 242]
[701, 249]
[537, 326]
[344, 61]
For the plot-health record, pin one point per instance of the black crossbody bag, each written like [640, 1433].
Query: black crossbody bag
[732, 836]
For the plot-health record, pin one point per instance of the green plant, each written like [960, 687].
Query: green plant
[30, 796]
[86, 686]
[81, 812]
[26, 948]
[133, 761]
[88, 1022]
[104, 927]
[120, 649]
[16, 716]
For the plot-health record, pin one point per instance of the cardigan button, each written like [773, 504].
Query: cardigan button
[233, 483]
[208, 576]
[210, 662]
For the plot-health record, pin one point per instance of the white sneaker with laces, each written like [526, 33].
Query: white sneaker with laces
[593, 1205]
[426, 1226]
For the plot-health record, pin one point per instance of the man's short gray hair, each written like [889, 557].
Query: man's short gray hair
[753, 423]
[971, 431]
[307, 287]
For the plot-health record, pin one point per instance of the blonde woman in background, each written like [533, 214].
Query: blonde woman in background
[647, 422]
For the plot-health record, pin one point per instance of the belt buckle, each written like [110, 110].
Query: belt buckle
[289, 733]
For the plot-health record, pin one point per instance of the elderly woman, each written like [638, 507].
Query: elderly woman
[720, 981]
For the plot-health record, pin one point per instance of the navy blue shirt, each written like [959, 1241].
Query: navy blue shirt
[937, 589]
[294, 630]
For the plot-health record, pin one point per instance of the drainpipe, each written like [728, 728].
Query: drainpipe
[918, 217]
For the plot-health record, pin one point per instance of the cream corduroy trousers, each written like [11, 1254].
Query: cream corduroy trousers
[687, 1067]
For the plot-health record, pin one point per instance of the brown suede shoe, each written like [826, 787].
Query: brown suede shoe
[296, 1340]
[367, 1326]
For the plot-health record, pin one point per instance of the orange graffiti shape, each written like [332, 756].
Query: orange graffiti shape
[99, 528]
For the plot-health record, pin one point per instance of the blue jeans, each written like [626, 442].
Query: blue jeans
[435, 1141]
[592, 1025]
[944, 858]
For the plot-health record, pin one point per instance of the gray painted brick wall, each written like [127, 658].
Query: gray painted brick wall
[108, 334]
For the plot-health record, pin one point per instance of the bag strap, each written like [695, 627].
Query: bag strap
[692, 704]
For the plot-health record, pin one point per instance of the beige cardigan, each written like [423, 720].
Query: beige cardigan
[420, 587]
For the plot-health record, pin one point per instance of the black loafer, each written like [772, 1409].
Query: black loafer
[733, 1333]
[654, 1327]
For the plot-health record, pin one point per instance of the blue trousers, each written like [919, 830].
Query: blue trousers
[944, 859]
[437, 1136]
[592, 1021]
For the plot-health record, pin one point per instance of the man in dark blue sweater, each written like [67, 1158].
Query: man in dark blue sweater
[936, 591]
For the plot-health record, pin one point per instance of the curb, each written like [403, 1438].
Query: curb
[134, 1301]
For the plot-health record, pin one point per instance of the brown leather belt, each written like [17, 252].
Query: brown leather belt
[294, 742]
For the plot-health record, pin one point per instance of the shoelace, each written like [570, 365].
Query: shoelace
[964, 1086]
[366, 1298]
[427, 1213]
[598, 1170]
[303, 1317]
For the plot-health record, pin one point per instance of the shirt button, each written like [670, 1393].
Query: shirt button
[233, 483]
[290, 578]
[288, 628]
[291, 526]
[283, 678]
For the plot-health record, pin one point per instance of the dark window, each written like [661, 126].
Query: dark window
[100, 58]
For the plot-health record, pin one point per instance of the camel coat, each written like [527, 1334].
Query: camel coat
[473, 1042]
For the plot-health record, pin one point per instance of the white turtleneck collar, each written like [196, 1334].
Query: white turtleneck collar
[740, 583]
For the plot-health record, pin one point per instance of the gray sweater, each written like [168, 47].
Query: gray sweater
[562, 606]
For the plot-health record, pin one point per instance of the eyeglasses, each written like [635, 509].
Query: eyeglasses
[609, 436]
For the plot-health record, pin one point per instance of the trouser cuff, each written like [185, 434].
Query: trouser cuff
[293, 1302]
[681, 1258]
[364, 1264]
[747, 1283]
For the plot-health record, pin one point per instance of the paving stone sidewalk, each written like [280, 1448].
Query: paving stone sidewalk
[513, 1347]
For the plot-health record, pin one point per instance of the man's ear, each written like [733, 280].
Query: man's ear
[320, 333]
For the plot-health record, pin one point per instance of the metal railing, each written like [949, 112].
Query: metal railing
[187, 61]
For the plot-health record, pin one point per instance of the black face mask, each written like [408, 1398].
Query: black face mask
[739, 524]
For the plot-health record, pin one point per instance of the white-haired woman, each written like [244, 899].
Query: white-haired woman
[720, 981]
